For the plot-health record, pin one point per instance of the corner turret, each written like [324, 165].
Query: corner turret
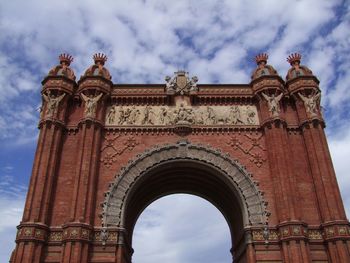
[263, 69]
[93, 85]
[303, 87]
[58, 86]
[268, 88]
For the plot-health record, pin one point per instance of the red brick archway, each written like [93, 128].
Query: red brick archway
[107, 150]
[186, 168]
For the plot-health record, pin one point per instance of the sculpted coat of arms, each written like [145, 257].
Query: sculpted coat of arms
[181, 84]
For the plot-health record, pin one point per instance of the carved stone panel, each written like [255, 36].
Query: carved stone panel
[194, 115]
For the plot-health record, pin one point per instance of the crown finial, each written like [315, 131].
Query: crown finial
[100, 57]
[65, 58]
[261, 58]
[294, 57]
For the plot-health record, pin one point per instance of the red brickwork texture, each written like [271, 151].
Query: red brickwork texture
[79, 155]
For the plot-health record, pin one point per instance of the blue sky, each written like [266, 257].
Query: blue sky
[144, 41]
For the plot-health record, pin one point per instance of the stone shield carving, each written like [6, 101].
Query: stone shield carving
[251, 199]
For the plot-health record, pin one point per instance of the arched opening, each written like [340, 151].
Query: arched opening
[181, 228]
[191, 169]
[184, 176]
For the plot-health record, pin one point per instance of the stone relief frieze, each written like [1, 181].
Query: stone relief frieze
[118, 115]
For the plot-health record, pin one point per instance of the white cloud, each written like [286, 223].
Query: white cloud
[339, 145]
[11, 211]
[12, 197]
[181, 228]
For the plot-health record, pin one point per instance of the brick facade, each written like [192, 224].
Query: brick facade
[257, 151]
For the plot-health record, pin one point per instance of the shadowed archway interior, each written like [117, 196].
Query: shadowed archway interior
[184, 176]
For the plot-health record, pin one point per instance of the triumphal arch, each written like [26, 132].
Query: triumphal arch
[256, 151]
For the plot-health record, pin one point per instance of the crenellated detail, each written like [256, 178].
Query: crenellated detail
[63, 69]
[262, 68]
[98, 69]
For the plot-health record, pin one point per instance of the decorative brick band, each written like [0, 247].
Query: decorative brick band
[297, 231]
[34, 232]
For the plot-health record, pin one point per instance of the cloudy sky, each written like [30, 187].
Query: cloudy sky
[144, 41]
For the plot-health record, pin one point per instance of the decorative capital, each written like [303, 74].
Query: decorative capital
[100, 58]
[65, 58]
[293, 58]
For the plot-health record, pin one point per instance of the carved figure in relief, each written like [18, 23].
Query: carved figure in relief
[165, 116]
[111, 115]
[184, 114]
[211, 118]
[148, 116]
[52, 103]
[273, 103]
[189, 115]
[200, 117]
[235, 115]
[91, 104]
[126, 116]
[311, 102]
[134, 116]
[222, 117]
[250, 116]
[120, 116]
